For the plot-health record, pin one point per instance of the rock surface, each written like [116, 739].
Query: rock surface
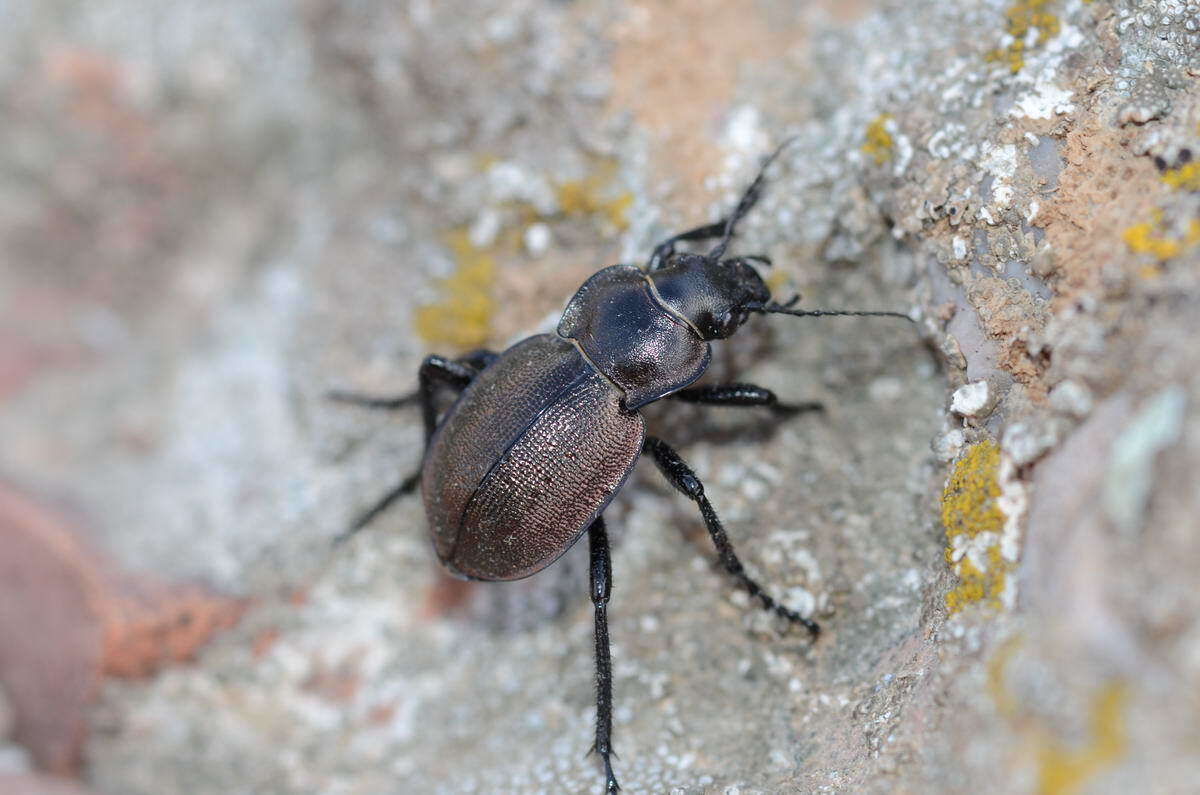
[211, 214]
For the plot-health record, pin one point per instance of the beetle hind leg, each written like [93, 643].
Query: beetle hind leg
[601, 584]
[684, 479]
[403, 488]
[436, 371]
[373, 401]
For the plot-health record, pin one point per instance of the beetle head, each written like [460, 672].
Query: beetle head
[715, 297]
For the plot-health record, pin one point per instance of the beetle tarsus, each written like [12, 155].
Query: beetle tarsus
[681, 476]
[610, 781]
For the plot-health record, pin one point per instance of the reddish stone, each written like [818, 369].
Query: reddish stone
[68, 616]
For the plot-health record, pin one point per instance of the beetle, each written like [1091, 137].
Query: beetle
[543, 435]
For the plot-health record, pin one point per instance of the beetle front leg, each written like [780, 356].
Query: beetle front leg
[664, 250]
[742, 395]
[724, 228]
[684, 479]
[601, 575]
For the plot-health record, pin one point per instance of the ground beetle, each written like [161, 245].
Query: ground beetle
[544, 434]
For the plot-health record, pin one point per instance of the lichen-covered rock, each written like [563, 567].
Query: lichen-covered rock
[214, 213]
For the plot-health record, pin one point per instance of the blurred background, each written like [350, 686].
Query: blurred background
[212, 214]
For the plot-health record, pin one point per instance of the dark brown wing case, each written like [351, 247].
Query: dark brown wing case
[515, 475]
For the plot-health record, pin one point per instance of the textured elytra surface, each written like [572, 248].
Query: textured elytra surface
[546, 482]
[492, 516]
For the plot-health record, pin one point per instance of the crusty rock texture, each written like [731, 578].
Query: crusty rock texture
[213, 213]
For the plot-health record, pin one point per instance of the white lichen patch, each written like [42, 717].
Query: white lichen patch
[960, 248]
[904, 148]
[1000, 161]
[1131, 465]
[1045, 101]
[508, 181]
[948, 445]
[1027, 441]
[973, 548]
[947, 141]
[1013, 503]
[1073, 398]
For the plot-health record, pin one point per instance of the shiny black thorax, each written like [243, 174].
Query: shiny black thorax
[625, 331]
[647, 332]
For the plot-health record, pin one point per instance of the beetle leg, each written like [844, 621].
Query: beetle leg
[742, 395]
[371, 401]
[725, 227]
[404, 487]
[438, 371]
[684, 479]
[476, 360]
[664, 250]
[601, 574]
[722, 229]
[747, 202]
[435, 371]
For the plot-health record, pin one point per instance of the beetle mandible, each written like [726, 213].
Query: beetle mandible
[544, 434]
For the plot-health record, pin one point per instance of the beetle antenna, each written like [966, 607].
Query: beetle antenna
[785, 309]
[747, 202]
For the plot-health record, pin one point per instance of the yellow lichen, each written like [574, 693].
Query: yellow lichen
[1151, 238]
[1020, 19]
[588, 196]
[971, 587]
[878, 143]
[1185, 177]
[1142, 239]
[970, 509]
[1063, 770]
[1006, 703]
[775, 280]
[462, 319]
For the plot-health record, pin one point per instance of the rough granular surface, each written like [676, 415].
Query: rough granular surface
[211, 214]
